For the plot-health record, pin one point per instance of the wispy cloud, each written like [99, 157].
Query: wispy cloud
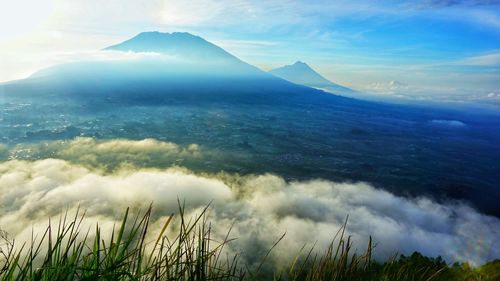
[486, 17]
[492, 59]
[451, 3]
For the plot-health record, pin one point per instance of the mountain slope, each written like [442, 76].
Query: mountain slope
[301, 73]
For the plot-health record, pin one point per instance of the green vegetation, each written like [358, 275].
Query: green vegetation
[69, 253]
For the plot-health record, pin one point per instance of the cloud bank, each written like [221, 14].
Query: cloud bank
[261, 207]
[106, 155]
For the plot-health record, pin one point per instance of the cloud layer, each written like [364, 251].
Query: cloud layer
[106, 154]
[261, 207]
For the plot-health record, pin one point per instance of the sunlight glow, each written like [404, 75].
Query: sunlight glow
[22, 17]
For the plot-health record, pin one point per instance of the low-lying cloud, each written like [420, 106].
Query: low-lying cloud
[107, 154]
[448, 123]
[261, 207]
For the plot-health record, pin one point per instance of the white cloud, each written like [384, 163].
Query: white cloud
[390, 87]
[261, 207]
[493, 95]
[448, 123]
[395, 89]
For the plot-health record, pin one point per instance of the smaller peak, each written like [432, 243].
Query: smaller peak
[301, 65]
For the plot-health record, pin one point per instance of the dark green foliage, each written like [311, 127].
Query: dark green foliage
[414, 267]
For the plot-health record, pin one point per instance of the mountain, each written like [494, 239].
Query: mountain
[178, 44]
[179, 53]
[186, 67]
[303, 74]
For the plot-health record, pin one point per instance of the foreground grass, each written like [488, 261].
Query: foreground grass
[68, 253]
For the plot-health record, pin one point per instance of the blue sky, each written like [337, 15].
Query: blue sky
[418, 49]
